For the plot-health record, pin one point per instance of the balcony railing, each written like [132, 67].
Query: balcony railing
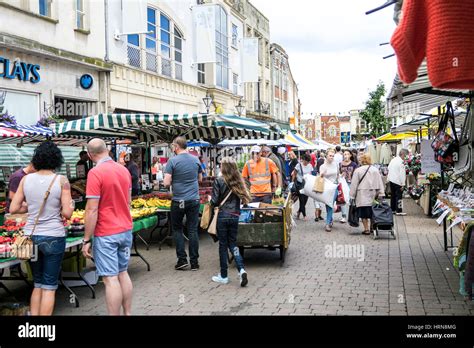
[262, 107]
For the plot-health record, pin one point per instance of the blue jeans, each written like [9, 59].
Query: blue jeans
[330, 210]
[112, 253]
[190, 209]
[227, 228]
[49, 252]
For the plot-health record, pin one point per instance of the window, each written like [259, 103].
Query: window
[201, 73]
[332, 131]
[178, 55]
[160, 49]
[45, 8]
[222, 49]
[235, 35]
[310, 133]
[235, 84]
[80, 14]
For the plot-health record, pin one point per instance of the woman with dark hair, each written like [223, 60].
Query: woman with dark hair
[48, 200]
[230, 191]
[303, 168]
[347, 168]
[355, 156]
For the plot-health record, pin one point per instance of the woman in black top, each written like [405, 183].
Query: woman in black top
[232, 186]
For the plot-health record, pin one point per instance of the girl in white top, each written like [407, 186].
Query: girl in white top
[330, 171]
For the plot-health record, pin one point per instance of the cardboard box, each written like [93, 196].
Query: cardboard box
[273, 215]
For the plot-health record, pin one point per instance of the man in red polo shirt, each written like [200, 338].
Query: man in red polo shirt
[108, 219]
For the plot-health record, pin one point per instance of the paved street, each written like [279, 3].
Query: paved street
[411, 275]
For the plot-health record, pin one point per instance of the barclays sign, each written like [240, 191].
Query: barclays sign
[19, 70]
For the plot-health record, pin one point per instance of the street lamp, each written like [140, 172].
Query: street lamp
[207, 101]
[240, 108]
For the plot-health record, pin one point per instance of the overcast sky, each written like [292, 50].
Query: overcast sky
[333, 49]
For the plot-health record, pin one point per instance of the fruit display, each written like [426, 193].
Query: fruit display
[77, 217]
[8, 232]
[153, 202]
[11, 226]
[3, 205]
[142, 212]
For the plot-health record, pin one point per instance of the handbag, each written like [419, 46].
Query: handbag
[353, 218]
[206, 216]
[22, 248]
[212, 229]
[446, 146]
[299, 185]
[465, 161]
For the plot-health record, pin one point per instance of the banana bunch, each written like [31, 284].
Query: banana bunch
[142, 212]
[165, 203]
[138, 203]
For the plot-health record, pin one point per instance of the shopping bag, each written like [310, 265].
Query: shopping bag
[318, 184]
[326, 197]
[340, 200]
[206, 216]
[353, 218]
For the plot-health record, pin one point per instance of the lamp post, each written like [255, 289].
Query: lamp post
[207, 100]
[240, 108]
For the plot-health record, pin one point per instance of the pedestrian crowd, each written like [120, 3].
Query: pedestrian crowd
[45, 196]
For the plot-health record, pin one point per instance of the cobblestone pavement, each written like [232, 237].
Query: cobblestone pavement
[411, 275]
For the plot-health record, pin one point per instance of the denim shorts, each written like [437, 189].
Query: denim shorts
[112, 253]
[47, 261]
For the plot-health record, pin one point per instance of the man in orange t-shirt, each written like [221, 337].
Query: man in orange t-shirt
[260, 173]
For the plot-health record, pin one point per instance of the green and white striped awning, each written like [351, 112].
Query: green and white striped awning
[155, 128]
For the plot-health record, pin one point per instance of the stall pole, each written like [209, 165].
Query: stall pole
[445, 231]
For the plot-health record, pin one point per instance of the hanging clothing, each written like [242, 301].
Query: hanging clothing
[441, 31]
[385, 154]
[373, 152]
[379, 150]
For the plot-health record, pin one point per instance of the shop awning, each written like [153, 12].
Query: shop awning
[297, 140]
[400, 136]
[250, 142]
[11, 133]
[164, 128]
[35, 130]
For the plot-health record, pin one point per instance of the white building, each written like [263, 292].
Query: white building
[45, 48]
[159, 71]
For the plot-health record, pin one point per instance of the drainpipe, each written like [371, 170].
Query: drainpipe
[106, 58]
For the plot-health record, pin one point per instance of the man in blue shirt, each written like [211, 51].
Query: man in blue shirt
[183, 173]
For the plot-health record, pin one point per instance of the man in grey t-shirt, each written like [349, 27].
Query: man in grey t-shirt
[183, 173]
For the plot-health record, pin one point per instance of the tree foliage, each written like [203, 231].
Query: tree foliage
[374, 112]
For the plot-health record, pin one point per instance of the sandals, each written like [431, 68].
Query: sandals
[367, 233]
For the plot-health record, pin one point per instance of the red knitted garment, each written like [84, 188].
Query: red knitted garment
[443, 31]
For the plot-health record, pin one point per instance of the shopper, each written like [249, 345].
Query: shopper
[231, 188]
[293, 161]
[260, 173]
[355, 156]
[317, 206]
[267, 152]
[203, 166]
[347, 168]
[281, 156]
[14, 182]
[397, 178]
[184, 173]
[330, 171]
[82, 166]
[45, 222]
[132, 167]
[366, 186]
[338, 155]
[303, 168]
[108, 220]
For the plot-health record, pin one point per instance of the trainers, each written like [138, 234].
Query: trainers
[328, 228]
[401, 214]
[219, 279]
[181, 265]
[194, 266]
[243, 278]
[343, 220]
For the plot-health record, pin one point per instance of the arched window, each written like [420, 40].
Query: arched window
[222, 49]
[332, 131]
[161, 50]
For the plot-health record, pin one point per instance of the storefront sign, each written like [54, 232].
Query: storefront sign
[19, 70]
[86, 81]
